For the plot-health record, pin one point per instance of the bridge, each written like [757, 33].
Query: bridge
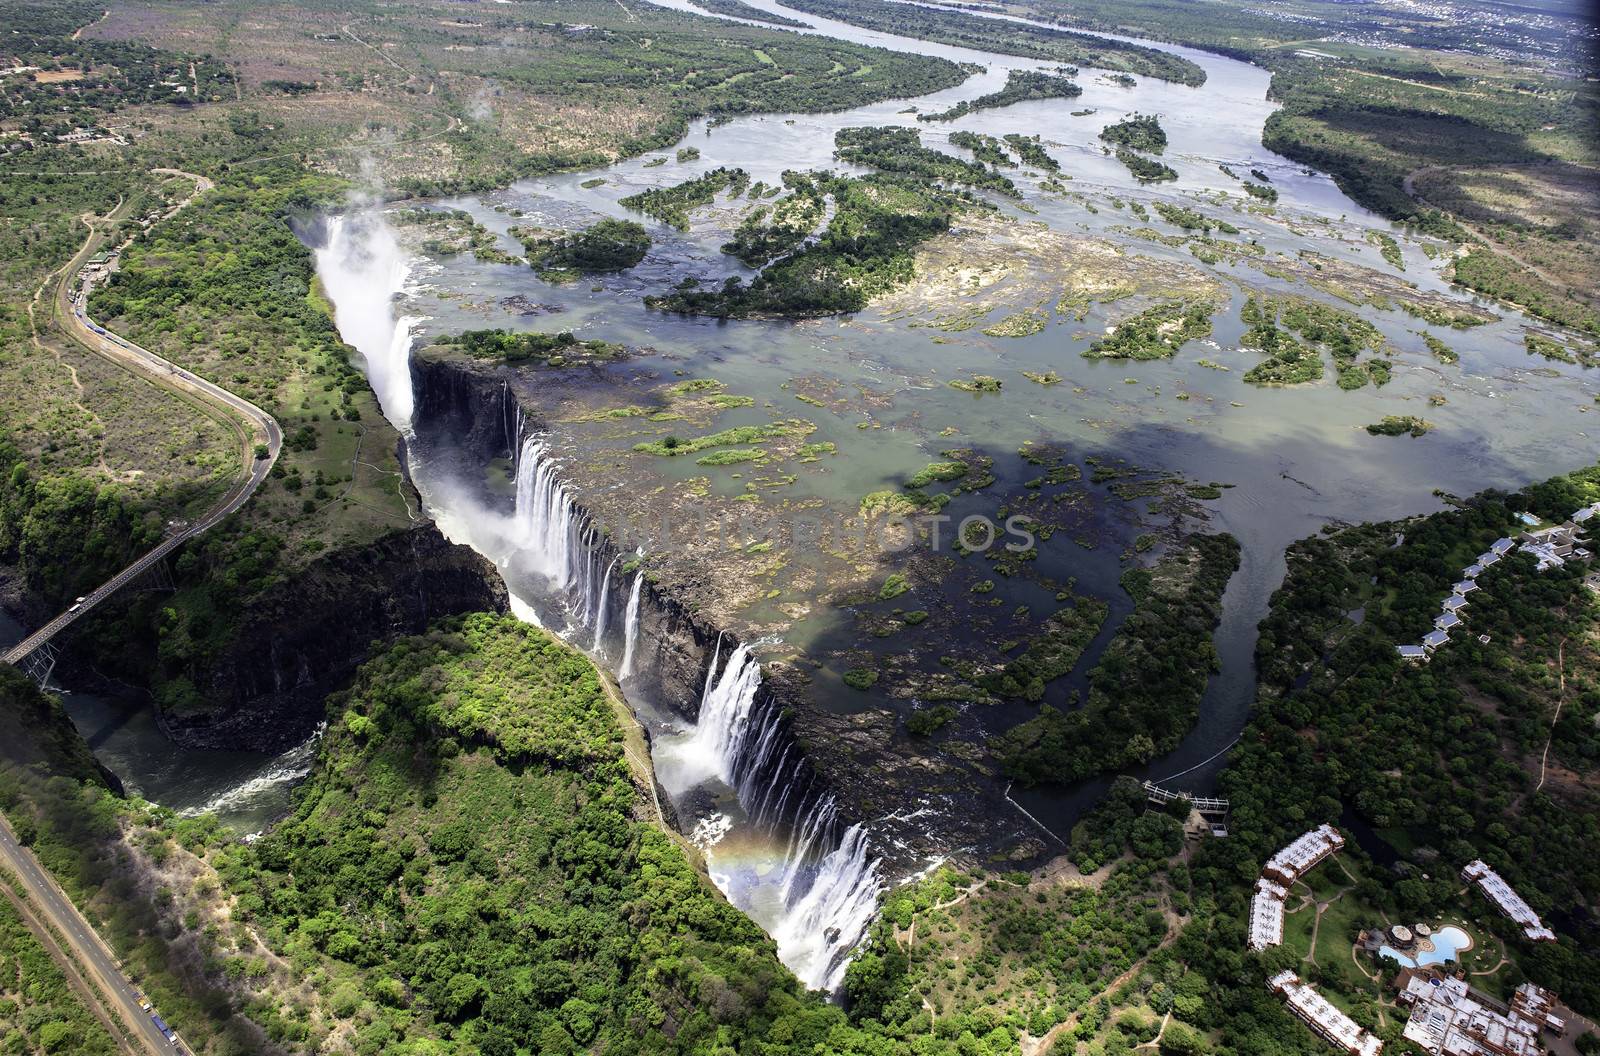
[1204, 804]
[36, 654]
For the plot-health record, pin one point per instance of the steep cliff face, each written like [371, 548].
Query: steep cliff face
[462, 407]
[305, 638]
[467, 415]
[36, 732]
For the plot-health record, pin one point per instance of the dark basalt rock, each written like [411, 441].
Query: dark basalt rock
[466, 415]
[305, 638]
[36, 732]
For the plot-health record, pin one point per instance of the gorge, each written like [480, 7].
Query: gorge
[738, 669]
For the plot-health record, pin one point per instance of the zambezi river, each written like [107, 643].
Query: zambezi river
[1296, 459]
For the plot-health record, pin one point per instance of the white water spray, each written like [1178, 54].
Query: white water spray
[600, 609]
[724, 721]
[546, 518]
[630, 628]
[824, 924]
[829, 886]
[362, 268]
[289, 768]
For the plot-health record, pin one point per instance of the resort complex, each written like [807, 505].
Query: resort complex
[1325, 1020]
[1266, 930]
[1449, 1018]
[1551, 547]
[1507, 901]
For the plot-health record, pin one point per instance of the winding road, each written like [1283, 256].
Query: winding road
[250, 424]
[260, 440]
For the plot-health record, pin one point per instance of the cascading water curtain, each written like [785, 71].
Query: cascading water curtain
[630, 627]
[830, 880]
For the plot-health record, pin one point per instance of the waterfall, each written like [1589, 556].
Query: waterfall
[600, 609]
[546, 519]
[630, 627]
[824, 924]
[829, 884]
[819, 901]
[724, 718]
[362, 268]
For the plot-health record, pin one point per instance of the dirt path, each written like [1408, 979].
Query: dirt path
[1316, 924]
[347, 31]
[1561, 699]
[1418, 84]
[908, 938]
[1034, 1046]
[77, 34]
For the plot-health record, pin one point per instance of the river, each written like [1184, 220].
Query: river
[245, 790]
[1298, 459]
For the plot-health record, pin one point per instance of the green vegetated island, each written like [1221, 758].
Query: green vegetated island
[1021, 86]
[610, 245]
[865, 249]
[1434, 135]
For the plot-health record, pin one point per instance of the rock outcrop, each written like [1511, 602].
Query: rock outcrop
[305, 638]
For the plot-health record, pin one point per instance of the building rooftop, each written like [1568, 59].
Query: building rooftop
[1306, 851]
[1322, 1017]
[1434, 639]
[1448, 1018]
[1447, 622]
[1266, 915]
[1546, 556]
[1506, 899]
[1466, 586]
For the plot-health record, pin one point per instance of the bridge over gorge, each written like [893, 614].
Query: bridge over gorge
[255, 429]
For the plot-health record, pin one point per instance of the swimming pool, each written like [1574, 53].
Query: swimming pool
[1448, 942]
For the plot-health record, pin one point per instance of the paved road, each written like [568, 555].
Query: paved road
[250, 423]
[91, 953]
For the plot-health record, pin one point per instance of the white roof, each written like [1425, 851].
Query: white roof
[1466, 586]
[1447, 621]
[1450, 1019]
[1324, 1017]
[1473, 571]
[1306, 851]
[1266, 915]
[1488, 557]
[1411, 651]
[1506, 899]
[1502, 545]
[1455, 602]
[1434, 639]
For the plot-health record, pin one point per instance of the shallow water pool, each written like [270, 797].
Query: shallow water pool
[1448, 942]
